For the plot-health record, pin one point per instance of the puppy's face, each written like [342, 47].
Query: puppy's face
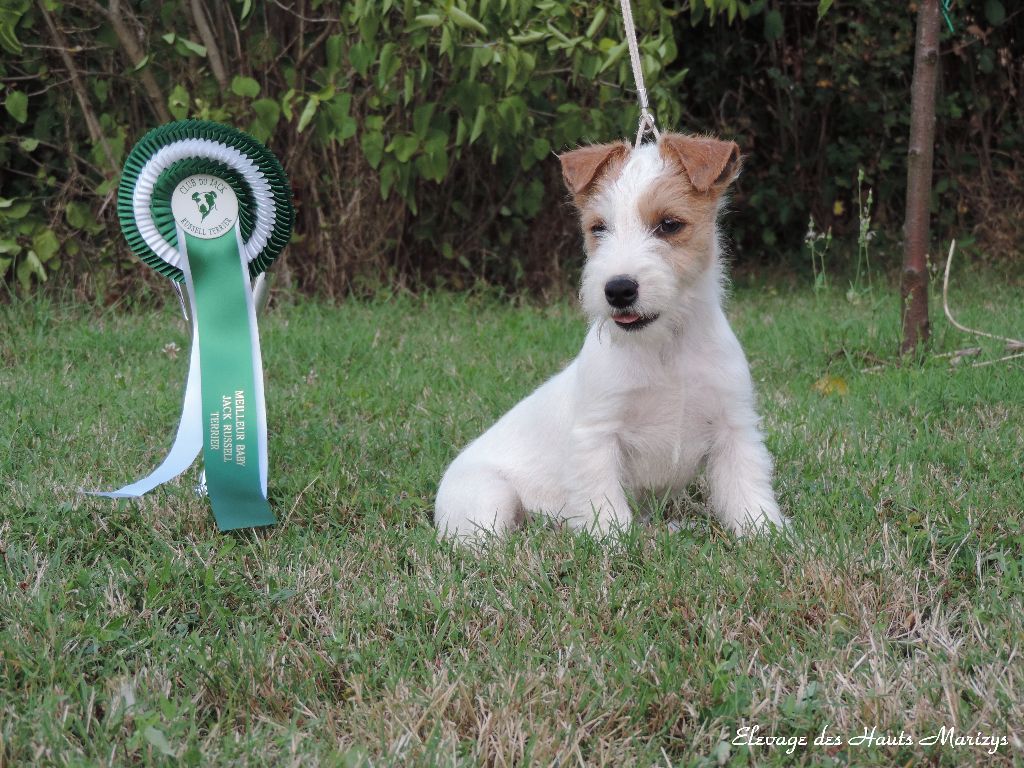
[649, 223]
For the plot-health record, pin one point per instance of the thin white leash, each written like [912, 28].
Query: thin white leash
[646, 116]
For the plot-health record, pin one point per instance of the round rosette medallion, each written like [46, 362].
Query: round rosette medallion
[164, 177]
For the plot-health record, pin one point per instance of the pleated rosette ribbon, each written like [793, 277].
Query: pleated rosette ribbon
[209, 206]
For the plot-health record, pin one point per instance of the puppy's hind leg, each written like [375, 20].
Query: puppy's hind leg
[474, 501]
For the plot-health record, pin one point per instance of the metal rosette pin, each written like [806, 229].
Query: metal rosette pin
[209, 206]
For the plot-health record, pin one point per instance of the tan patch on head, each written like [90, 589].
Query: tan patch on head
[672, 198]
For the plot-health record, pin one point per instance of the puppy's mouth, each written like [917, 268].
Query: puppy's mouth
[631, 321]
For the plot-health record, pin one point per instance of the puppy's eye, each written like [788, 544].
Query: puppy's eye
[598, 229]
[668, 227]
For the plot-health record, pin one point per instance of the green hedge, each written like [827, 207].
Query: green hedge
[419, 135]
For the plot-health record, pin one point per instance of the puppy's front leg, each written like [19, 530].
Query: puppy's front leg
[740, 476]
[596, 500]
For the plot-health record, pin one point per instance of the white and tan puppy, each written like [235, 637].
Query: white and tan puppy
[661, 387]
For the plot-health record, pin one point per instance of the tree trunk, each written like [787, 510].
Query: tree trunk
[914, 286]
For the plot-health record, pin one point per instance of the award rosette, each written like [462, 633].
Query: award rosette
[210, 206]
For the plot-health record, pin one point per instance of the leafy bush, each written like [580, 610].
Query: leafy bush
[411, 131]
[814, 102]
[419, 135]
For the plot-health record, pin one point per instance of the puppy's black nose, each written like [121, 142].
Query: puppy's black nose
[621, 291]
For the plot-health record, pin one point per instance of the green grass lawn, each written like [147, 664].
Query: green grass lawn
[135, 633]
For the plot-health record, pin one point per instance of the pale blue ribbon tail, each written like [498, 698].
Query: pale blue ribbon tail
[187, 443]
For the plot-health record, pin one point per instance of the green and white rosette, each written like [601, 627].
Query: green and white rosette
[207, 205]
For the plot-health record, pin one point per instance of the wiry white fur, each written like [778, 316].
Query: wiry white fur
[635, 411]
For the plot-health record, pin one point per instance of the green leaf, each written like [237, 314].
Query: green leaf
[5, 264]
[308, 113]
[464, 20]
[16, 104]
[10, 246]
[823, 7]
[773, 27]
[28, 144]
[433, 163]
[177, 102]
[478, 124]
[427, 20]
[995, 12]
[286, 104]
[530, 37]
[373, 147]
[8, 37]
[388, 176]
[332, 51]
[342, 125]
[245, 86]
[421, 119]
[13, 210]
[141, 63]
[614, 55]
[268, 112]
[404, 147]
[345, 128]
[194, 47]
[326, 93]
[80, 216]
[447, 47]
[158, 741]
[595, 25]
[46, 245]
[390, 61]
[360, 56]
[30, 265]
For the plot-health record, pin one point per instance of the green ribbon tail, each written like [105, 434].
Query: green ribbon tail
[231, 372]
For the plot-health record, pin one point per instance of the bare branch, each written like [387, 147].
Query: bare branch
[212, 48]
[119, 21]
[293, 12]
[92, 124]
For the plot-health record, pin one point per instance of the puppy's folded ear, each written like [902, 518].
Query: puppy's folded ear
[581, 168]
[709, 163]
